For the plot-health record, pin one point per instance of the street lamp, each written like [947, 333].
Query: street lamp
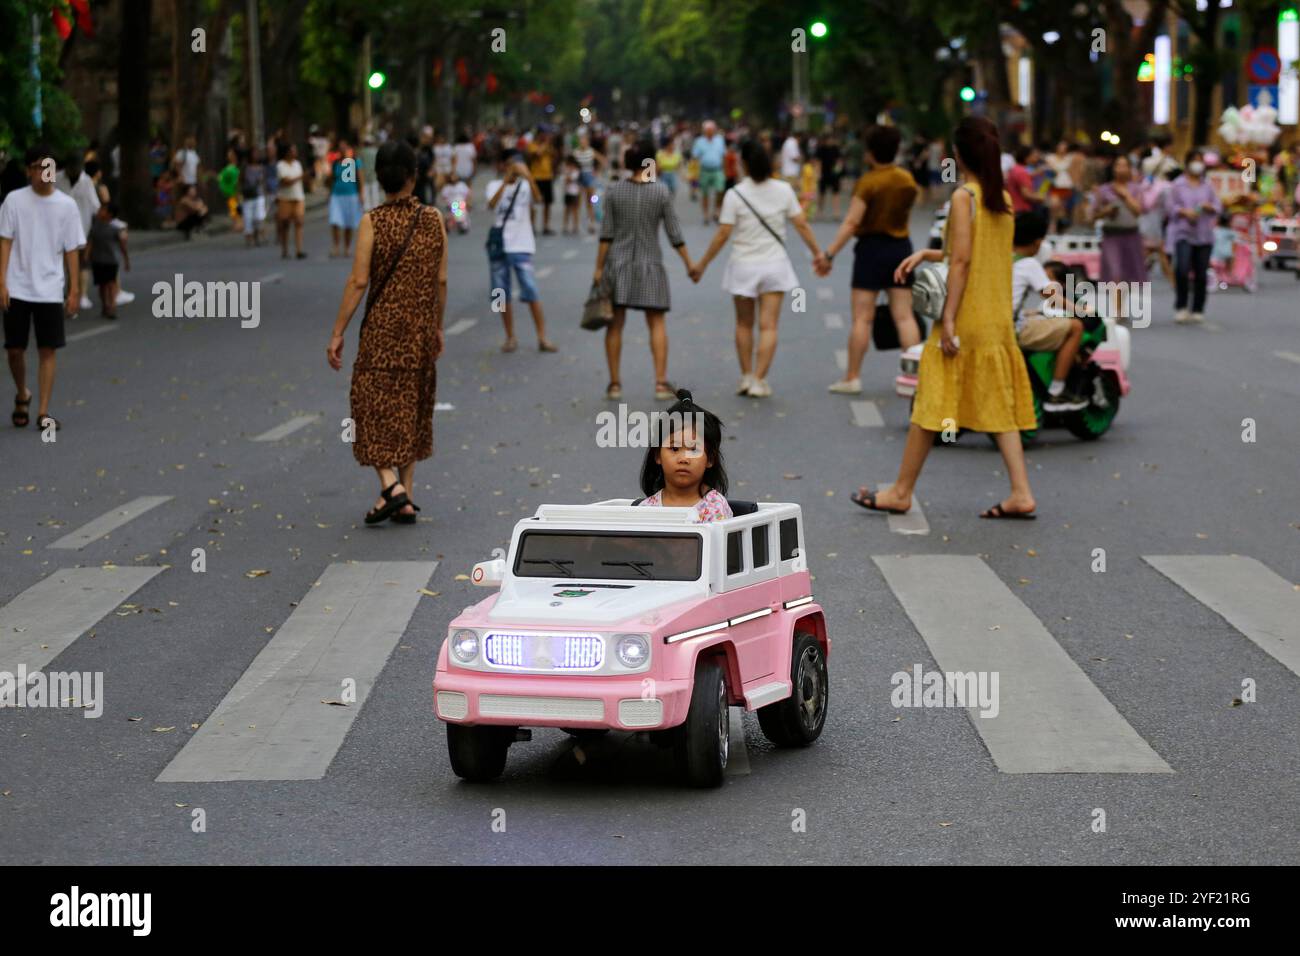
[968, 94]
[818, 29]
[376, 80]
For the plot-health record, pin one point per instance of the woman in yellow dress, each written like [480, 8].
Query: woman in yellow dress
[972, 374]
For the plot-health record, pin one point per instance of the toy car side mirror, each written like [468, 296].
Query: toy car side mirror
[489, 574]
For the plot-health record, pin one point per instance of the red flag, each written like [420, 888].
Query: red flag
[61, 24]
[462, 71]
[84, 22]
[491, 83]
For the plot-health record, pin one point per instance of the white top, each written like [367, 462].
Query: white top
[790, 157]
[1028, 280]
[518, 232]
[1008, 161]
[188, 160]
[84, 194]
[442, 158]
[775, 201]
[1061, 166]
[42, 229]
[288, 169]
[463, 156]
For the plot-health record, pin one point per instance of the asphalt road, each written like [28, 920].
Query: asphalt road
[170, 408]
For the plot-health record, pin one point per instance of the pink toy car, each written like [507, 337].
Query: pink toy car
[1074, 249]
[613, 617]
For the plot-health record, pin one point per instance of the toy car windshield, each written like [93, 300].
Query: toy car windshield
[620, 555]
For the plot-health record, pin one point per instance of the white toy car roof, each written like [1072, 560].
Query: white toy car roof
[621, 511]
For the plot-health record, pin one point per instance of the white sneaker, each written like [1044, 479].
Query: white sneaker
[1182, 317]
[760, 389]
[746, 383]
[85, 302]
[124, 297]
[852, 387]
[1198, 317]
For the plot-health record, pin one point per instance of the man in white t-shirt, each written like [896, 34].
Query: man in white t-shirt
[759, 271]
[186, 163]
[40, 241]
[510, 197]
[291, 202]
[73, 181]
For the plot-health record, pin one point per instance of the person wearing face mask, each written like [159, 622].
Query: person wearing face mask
[1192, 208]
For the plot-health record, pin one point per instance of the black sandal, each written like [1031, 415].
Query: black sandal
[868, 500]
[997, 511]
[391, 504]
[20, 416]
[403, 518]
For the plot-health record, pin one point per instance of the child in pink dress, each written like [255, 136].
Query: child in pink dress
[684, 468]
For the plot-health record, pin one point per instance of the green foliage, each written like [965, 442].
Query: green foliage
[61, 126]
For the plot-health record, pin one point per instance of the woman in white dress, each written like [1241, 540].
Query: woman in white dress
[759, 272]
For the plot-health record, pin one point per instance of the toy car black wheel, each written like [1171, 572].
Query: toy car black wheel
[703, 742]
[1103, 405]
[478, 754]
[798, 720]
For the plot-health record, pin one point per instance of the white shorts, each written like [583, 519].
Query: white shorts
[752, 277]
[254, 212]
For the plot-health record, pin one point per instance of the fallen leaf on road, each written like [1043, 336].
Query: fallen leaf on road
[945, 824]
[792, 477]
[135, 719]
[428, 593]
[461, 577]
[162, 730]
[255, 574]
[1236, 702]
[334, 703]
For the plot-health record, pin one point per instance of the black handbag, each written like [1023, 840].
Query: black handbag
[884, 333]
[496, 237]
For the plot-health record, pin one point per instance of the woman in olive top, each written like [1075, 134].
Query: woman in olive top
[879, 215]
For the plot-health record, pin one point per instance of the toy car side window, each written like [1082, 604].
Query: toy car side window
[759, 535]
[735, 552]
[789, 538]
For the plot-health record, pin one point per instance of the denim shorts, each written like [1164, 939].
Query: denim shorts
[522, 265]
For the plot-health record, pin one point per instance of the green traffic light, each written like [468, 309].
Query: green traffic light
[376, 80]
[818, 29]
[967, 94]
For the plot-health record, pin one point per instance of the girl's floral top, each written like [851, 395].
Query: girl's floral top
[712, 507]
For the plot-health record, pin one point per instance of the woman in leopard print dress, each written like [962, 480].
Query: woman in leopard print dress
[401, 258]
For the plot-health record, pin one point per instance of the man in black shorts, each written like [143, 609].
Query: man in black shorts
[40, 243]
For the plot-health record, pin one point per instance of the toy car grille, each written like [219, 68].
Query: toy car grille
[549, 708]
[556, 653]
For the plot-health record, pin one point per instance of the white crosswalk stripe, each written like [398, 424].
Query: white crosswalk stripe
[842, 358]
[277, 722]
[825, 293]
[109, 522]
[1050, 717]
[1247, 594]
[834, 321]
[570, 254]
[40, 623]
[90, 333]
[459, 326]
[914, 522]
[545, 272]
[287, 428]
[866, 414]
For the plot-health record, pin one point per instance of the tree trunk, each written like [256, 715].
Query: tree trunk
[136, 192]
[1128, 50]
[284, 96]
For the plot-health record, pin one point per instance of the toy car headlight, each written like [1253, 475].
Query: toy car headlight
[464, 646]
[633, 650]
[1270, 246]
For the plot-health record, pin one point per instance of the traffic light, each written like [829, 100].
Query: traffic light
[818, 29]
[968, 94]
[376, 80]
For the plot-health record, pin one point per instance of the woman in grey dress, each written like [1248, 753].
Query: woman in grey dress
[629, 265]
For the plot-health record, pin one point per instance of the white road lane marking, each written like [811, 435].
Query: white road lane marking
[570, 254]
[1263, 606]
[842, 358]
[738, 753]
[99, 330]
[287, 428]
[866, 414]
[276, 723]
[1050, 717]
[1289, 356]
[834, 321]
[459, 326]
[273, 277]
[108, 522]
[825, 293]
[911, 523]
[545, 272]
[40, 623]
